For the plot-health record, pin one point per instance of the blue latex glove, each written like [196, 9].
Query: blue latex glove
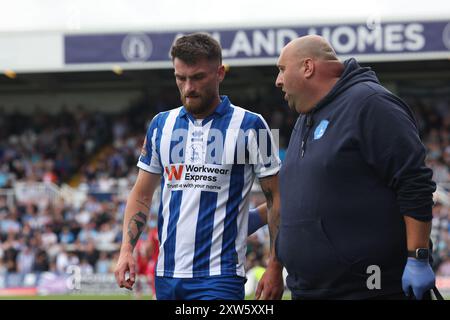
[417, 276]
[254, 221]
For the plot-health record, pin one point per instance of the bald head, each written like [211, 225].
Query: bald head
[308, 68]
[312, 46]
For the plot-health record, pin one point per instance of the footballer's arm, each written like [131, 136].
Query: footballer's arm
[271, 286]
[135, 219]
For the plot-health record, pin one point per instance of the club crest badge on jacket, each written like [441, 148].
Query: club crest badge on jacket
[321, 128]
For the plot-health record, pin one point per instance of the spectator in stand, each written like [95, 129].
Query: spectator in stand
[103, 264]
[86, 267]
[66, 236]
[25, 260]
[65, 259]
[10, 223]
[48, 238]
[90, 253]
[444, 268]
[106, 236]
[88, 233]
[41, 261]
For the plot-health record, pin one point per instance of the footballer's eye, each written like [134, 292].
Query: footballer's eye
[180, 78]
[198, 76]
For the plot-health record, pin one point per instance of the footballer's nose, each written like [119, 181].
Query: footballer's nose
[189, 87]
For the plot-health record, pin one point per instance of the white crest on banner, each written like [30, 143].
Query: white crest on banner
[137, 47]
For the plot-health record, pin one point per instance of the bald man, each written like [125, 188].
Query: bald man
[356, 196]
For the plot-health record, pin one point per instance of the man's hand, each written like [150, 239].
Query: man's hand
[417, 276]
[271, 285]
[124, 265]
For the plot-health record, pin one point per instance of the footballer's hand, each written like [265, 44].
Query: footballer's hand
[124, 265]
[271, 285]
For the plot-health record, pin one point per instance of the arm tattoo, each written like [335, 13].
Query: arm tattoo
[274, 222]
[273, 219]
[143, 203]
[135, 227]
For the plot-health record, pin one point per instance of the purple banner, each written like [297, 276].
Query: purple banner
[384, 39]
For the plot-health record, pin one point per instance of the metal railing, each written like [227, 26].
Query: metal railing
[43, 192]
[9, 195]
[37, 192]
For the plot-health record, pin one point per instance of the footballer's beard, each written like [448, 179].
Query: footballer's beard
[197, 104]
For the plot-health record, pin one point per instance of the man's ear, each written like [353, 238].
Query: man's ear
[309, 66]
[221, 72]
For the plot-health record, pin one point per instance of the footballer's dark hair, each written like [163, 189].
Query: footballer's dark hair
[196, 46]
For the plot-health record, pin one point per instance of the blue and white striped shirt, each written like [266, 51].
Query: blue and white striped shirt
[208, 167]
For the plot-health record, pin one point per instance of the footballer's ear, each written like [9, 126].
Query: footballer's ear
[221, 72]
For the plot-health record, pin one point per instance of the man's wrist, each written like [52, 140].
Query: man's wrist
[274, 263]
[419, 253]
[126, 248]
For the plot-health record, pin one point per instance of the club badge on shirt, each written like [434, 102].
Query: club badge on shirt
[320, 130]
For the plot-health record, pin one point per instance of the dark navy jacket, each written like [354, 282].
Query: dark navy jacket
[354, 167]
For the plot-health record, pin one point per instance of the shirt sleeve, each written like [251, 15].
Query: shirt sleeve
[149, 159]
[391, 145]
[263, 150]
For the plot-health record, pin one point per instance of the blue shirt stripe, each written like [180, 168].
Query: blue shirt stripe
[266, 147]
[160, 211]
[203, 233]
[229, 257]
[147, 158]
[161, 122]
[180, 123]
[221, 124]
[170, 243]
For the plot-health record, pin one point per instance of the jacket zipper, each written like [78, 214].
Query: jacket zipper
[309, 124]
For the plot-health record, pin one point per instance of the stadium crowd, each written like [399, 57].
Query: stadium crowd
[433, 118]
[98, 152]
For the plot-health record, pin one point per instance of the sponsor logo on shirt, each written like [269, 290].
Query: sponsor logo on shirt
[187, 176]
